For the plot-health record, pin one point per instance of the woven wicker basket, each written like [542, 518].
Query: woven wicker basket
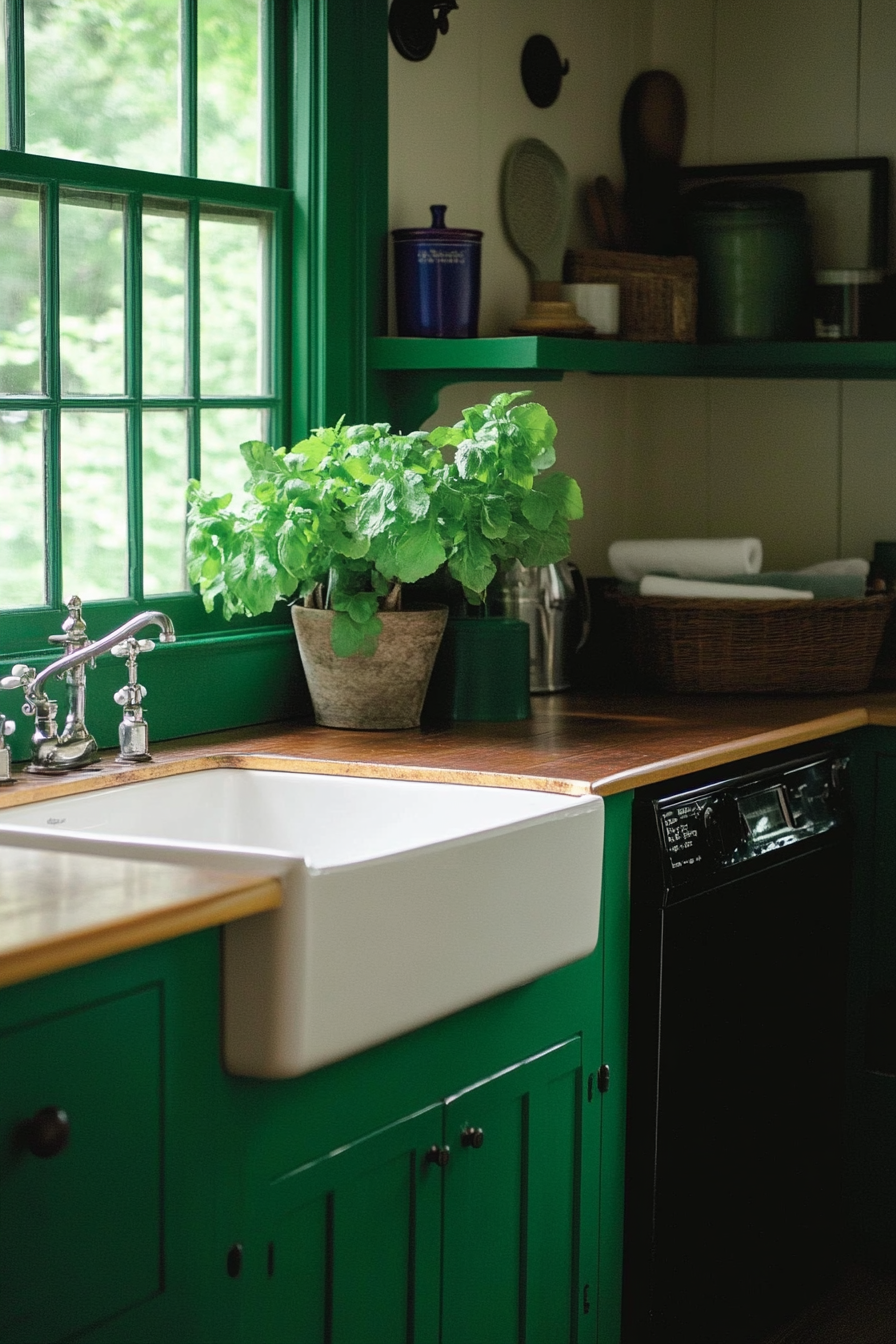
[701, 645]
[657, 295]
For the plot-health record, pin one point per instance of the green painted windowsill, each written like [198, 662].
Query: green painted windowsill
[205, 682]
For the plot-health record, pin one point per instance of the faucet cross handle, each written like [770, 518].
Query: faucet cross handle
[132, 694]
[20, 674]
[35, 703]
[74, 629]
[129, 648]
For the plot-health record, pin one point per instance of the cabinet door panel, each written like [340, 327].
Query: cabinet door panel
[511, 1213]
[553, 1206]
[80, 1232]
[354, 1244]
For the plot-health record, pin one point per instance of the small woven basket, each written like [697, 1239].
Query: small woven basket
[657, 295]
[703, 646]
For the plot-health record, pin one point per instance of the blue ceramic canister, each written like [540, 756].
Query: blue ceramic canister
[437, 279]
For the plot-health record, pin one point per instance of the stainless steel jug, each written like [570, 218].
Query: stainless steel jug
[553, 601]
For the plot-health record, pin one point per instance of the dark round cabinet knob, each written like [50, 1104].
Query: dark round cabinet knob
[47, 1133]
[437, 1156]
[471, 1137]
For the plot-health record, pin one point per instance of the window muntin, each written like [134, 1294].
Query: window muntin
[116, 289]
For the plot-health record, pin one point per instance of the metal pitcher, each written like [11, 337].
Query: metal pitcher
[553, 601]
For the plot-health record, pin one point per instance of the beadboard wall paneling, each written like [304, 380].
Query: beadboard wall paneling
[454, 115]
[876, 132]
[683, 41]
[785, 79]
[670, 430]
[869, 466]
[774, 467]
[809, 467]
[800, 464]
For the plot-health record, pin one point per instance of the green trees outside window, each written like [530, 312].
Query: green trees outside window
[144, 243]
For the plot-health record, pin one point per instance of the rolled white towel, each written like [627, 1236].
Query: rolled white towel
[657, 585]
[854, 565]
[690, 558]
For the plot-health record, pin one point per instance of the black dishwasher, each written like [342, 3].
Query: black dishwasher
[740, 924]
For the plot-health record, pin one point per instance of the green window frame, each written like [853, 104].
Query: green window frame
[324, 142]
[58, 178]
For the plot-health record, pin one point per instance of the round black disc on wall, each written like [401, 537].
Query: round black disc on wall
[412, 28]
[542, 70]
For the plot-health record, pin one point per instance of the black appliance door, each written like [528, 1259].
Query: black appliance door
[733, 1210]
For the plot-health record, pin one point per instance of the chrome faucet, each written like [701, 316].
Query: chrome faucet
[74, 748]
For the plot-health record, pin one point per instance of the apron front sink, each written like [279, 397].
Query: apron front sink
[402, 901]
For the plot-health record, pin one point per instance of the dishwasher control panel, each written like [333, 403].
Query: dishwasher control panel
[703, 831]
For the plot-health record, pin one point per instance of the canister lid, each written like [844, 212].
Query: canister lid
[853, 277]
[438, 232]
[745, 196]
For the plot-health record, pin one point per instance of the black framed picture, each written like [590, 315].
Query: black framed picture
[848, 202]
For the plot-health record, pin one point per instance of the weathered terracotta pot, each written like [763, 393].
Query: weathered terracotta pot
[384, 691]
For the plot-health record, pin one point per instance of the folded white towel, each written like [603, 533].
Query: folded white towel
[656, 585]
[855, 566]
[690, 558]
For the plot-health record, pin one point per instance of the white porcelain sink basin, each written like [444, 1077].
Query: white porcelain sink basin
[402, 901]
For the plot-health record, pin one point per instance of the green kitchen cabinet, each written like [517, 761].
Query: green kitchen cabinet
[199, 1208]
[110, 1236]
[513, 1206]
[464, 1221]
[80, 1173]
[347, 1247]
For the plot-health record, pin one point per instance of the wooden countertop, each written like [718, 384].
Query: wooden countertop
[59, 910]
[573, 743]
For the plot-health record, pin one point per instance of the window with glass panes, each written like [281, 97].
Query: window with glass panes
[142, 244]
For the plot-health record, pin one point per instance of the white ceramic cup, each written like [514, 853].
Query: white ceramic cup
[598, 304]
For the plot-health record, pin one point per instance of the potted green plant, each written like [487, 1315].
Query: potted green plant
[342, 522]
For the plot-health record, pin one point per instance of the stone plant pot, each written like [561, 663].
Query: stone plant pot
[384, 691]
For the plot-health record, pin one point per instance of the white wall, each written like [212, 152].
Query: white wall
[808, 466]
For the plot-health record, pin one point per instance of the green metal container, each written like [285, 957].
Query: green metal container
[481, 672]
[751, 241]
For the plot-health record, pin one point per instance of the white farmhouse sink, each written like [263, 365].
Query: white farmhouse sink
[402, 901]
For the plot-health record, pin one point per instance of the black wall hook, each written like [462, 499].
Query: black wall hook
[542, 70]
[415, 24]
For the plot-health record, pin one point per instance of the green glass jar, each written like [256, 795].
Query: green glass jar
[752, 244]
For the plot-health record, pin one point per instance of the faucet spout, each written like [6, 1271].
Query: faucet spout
[78, 657]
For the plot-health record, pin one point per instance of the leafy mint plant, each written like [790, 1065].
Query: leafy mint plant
[351, 513]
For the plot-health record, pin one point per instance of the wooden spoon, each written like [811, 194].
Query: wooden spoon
[651, 129]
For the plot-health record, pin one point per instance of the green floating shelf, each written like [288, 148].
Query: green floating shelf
[497, 356]
[407, 372]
